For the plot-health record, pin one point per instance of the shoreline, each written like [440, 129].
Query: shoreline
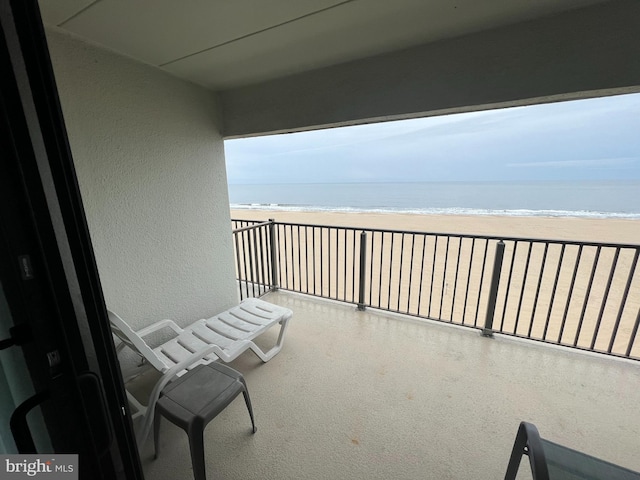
[458, 211]
[578, 229]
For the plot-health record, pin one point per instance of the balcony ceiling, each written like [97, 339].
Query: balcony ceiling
[223, 44]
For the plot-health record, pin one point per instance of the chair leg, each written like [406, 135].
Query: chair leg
[247, 400]
[196, 445]
[156, 435]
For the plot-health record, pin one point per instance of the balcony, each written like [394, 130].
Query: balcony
[371, 394]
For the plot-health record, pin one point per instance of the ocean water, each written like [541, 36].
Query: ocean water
[604, 199]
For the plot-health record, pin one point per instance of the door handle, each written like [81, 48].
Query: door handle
[19, 426]
[96, 414]
[18, 335]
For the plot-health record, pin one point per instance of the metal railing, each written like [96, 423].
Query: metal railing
[256, 268]
[584, 295]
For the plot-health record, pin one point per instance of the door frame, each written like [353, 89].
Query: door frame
[56, 213]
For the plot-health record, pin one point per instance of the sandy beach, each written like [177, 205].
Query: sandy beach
[560, 228]
[443, 276]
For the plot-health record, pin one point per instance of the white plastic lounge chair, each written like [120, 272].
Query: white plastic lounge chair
[224, 336]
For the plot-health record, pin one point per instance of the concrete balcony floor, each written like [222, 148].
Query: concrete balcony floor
[376, 396]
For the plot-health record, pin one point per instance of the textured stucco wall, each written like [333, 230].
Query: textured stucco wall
[588, 52]
[150, 162]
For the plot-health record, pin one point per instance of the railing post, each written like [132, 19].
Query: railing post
[363, 269]
[274, 256]
[487, 331]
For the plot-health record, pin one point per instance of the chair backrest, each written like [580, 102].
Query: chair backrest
[131, 339]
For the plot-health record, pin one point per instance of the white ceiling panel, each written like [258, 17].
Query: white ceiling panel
[228, 43]
[57, 11]
[159, 31]
[354, 30]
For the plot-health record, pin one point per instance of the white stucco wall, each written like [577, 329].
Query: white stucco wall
[150, 162]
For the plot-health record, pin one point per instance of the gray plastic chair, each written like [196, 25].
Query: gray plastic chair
[193, 400]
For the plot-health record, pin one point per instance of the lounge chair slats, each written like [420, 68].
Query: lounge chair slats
[212, 336]
[236, 322]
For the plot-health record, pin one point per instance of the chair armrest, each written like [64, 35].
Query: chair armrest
[528, 442]
[154, 327]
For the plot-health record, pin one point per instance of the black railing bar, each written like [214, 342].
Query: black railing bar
[260, 260]
[306, 258]
[380, 270]
[400, 270]
[485, 237]
[250, 250]
[250, 227]
[390, 270]
[237, 255]
[623, 301]
[293, 258]
[586, 295]
[260, 257]
[466, 293]
[268, 249]
[321, 265]
[293, 268]
[634, 332]
[285, 254]
[353, 275]
[524, 284]
[506, 292]
[455, 281]
[570, 293]
[273, 256]
[337, 267]
[481, 286]
[553, 293]
[433, 272]
[329, 264]
[371, 270]
[267, 256]
[299, 262]
[252, 257]
[344, 266]
[543, 264]
[413, 244]
[313, 256]
[444, 276]
[244, 255]
[279, 256]
[258, 254]
[424, 246]
[605, 298]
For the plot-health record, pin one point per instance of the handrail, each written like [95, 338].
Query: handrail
[569, 293]
[465, 235]
[250, 227]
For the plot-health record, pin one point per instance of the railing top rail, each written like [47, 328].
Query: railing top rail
[249, 227]
[458, 235]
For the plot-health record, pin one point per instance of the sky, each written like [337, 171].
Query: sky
[594, 139]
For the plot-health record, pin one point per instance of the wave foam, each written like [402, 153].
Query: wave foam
[437, 211]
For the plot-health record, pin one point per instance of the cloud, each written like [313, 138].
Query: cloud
[593, 139]
[598, 162]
